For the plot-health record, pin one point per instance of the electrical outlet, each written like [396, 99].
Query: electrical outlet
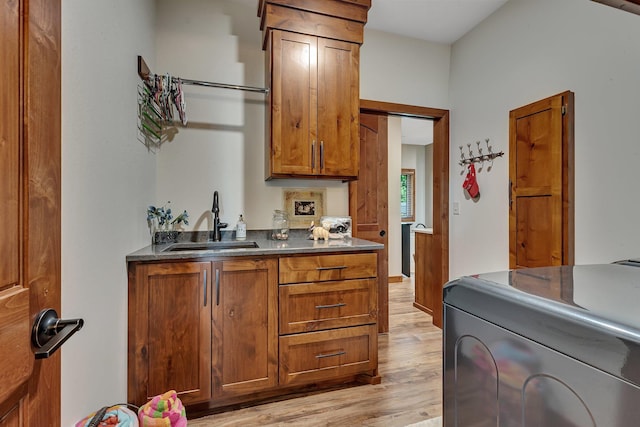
[456, 208]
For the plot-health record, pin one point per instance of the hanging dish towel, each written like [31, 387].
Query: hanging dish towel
[470, 183]
[164, 410]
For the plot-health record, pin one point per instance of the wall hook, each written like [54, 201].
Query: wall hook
[480, 157]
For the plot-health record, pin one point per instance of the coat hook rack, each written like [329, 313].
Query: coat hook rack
[480, 157]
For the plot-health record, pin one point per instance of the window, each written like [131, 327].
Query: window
[407, 195]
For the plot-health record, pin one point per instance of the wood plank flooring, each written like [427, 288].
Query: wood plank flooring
[410, 363]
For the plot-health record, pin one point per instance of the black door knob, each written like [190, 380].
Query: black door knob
[382, 233]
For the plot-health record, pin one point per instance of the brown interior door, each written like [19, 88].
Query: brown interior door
[30, 208]
[541, 183]
[368, 201]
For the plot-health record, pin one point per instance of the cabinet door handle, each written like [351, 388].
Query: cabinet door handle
[205, 287]
[217, 286]
[322, 356]
[321, 154]
[318, 307]
[313, 154]
[337, 267]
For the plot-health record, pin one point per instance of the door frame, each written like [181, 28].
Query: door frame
[440, 119]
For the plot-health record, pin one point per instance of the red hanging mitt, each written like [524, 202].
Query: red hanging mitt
[470, 183]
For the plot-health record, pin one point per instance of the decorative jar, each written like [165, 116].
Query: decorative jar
[280, 229]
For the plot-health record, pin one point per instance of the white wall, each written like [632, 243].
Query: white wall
[415, 157]
[222, 147]
[428, 186]
[394, 165]
[107, 178]
[405, 71]
[526, 51]
[420, 158]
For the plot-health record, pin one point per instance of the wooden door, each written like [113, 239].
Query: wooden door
[170, 331]
[293, 141]
[338, 107]
[368, 201]
[541, 183]
[15, 351]
[30, 208]
[245, 326]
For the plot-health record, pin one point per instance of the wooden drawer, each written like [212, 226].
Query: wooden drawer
[324, 355]
[319, 268]
[315, 306]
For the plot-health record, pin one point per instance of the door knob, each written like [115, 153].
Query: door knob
[49, 332]
[382, 233]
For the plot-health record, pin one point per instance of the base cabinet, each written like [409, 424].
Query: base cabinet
[227, 331]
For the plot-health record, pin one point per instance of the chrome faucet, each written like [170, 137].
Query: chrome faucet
[217, 225]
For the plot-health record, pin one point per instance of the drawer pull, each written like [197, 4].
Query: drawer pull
[338, 267]
[322, 356]
[318, 307]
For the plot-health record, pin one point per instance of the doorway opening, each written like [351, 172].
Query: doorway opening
[440, 192]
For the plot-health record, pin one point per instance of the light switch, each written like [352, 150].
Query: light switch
[456, 208]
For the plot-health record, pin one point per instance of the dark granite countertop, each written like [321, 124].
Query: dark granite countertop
[296, 244]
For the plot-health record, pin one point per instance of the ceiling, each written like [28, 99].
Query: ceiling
[439, 21]
[416, 131]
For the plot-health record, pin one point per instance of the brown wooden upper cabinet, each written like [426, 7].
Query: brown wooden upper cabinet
[313, 69]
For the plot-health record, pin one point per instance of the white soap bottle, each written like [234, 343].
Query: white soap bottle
[241, 229]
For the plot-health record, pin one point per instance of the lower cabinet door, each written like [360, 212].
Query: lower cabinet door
[170, 331]
[319, 356]
[245, 326]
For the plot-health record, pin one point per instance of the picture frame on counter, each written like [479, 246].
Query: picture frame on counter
[304, 205]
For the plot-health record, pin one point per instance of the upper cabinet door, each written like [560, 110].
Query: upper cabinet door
[338, 107]
[314, 107]
[294, 78]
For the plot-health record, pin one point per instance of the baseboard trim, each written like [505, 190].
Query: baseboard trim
[395, 279]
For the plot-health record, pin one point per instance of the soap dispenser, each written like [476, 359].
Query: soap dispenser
[241, 229]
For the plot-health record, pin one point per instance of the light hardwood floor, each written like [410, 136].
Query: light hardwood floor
[410, 363]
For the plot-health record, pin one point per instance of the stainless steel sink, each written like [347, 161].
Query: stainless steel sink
[209, 246]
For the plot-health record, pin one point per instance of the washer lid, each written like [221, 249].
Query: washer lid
[589, 312]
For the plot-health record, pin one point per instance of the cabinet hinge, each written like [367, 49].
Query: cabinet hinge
[564, 110]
